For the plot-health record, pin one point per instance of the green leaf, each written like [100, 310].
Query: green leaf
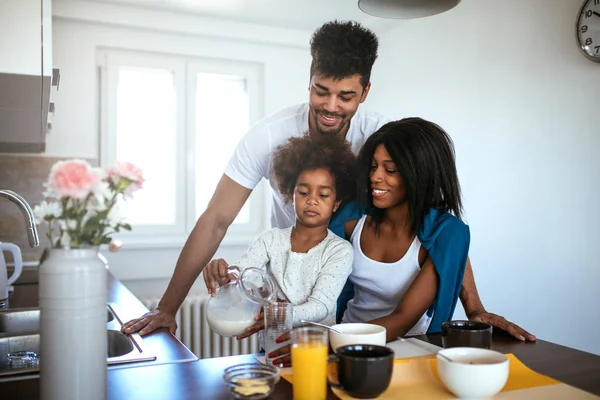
[93, 224]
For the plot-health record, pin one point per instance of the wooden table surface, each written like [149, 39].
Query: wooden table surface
[203, 379]
[174, 376]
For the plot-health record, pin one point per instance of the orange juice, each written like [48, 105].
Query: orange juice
[309, 371]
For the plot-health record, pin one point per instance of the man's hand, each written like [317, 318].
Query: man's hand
[498, 321]
[215, 273]
[149, 322]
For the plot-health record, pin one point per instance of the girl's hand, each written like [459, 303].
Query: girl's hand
[215, 273]
[256, 326]
[283, 355]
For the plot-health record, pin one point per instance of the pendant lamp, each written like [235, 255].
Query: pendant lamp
[404, 9]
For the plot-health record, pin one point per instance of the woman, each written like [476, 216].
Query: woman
[411, 248]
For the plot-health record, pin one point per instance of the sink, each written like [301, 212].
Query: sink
[22, 320]
[28, 320]
[118, 344]
[19, 331]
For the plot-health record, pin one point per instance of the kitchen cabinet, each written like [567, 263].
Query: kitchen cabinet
[25, 74]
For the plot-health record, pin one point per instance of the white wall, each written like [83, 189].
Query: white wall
[507, 81]
[75, 127]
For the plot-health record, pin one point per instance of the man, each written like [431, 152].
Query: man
[343, 54]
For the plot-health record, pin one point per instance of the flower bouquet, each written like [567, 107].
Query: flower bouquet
[84, 202]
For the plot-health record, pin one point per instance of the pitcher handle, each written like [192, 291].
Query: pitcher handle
[235, 271]
[18, 260]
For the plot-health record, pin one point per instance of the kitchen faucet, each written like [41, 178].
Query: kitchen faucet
[32, 233]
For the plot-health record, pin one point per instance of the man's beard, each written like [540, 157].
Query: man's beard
[326, 129]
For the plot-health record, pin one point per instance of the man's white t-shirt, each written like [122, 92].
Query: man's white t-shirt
[251, 160]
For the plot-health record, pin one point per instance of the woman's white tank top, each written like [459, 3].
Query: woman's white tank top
[379, 286]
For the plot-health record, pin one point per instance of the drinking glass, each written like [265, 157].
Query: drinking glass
[279, 318]
[310, 346]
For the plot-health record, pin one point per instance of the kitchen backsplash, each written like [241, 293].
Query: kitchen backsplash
[24, 174]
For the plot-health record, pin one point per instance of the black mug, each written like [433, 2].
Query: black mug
[466, 334]
[364, 371]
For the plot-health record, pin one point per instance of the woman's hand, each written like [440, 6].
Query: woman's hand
[498, 321]
[215, 273]
[256, 326]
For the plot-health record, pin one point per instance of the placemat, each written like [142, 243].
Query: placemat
[418, 379]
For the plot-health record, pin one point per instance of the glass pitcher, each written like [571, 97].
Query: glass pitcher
[236, 303]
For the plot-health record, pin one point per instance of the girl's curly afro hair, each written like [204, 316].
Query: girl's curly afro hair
[306, 153]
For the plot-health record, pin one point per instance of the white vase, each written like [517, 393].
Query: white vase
[72, 297]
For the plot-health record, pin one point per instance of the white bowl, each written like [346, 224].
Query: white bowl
[356, 333]
[473, 373]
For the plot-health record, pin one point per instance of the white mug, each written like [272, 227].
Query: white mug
[5, 281]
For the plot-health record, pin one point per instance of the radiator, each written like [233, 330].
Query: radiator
[196, 335]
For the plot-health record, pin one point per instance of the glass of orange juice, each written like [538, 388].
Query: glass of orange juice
[309, 363]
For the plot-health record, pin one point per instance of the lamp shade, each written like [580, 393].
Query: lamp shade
[405, 8]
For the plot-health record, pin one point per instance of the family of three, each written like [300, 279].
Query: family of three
[375, 238]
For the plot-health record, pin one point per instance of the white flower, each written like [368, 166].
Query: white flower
[65, 240]
[116, 215]
[98, 202]
[93, 208]
[67, 224]
[101, 192]
[48, 192]
[46, 209]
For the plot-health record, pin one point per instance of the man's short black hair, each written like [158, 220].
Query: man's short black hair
[340, 49]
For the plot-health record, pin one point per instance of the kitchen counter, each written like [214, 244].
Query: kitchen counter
[165, 346]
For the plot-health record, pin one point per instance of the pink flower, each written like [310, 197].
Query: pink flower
[128, 171]
[114, 245]
[73, 178]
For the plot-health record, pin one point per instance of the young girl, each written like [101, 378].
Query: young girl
[308, 263]
[411, 248]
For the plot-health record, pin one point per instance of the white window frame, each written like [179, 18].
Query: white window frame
[185, 70]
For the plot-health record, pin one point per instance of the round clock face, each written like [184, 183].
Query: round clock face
[588, 29]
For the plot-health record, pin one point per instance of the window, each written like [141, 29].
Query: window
[179, 119]
[221, 107]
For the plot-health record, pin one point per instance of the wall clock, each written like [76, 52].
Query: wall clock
[588, 29]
